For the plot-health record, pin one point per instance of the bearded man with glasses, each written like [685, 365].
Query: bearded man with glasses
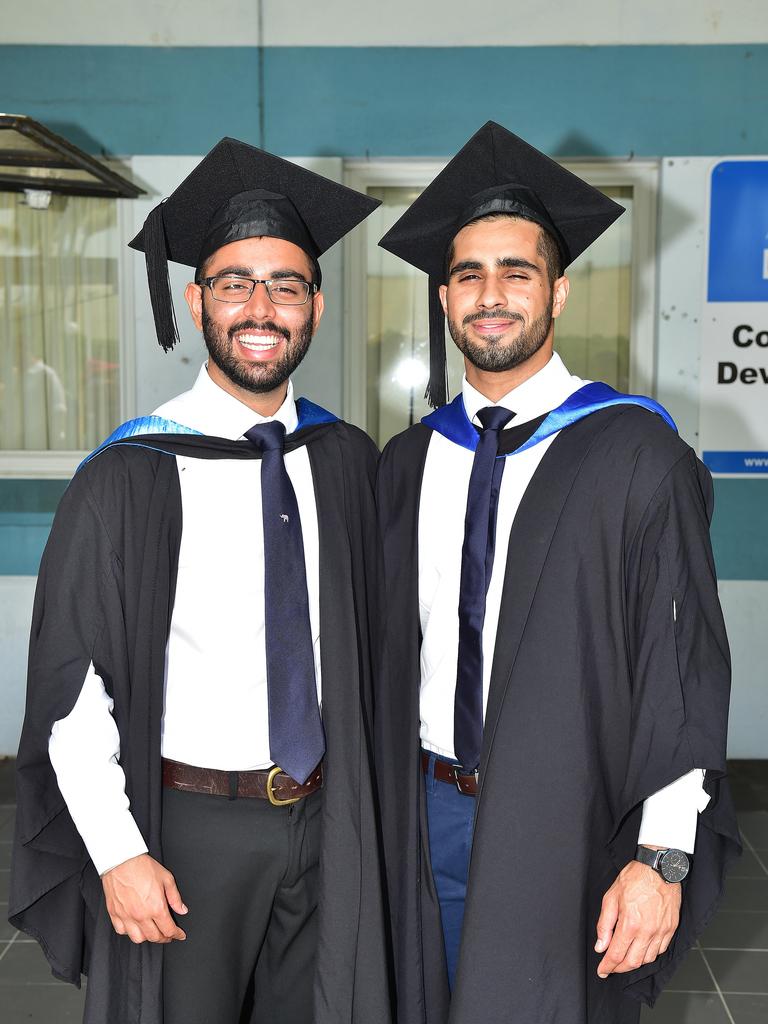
[196, 828]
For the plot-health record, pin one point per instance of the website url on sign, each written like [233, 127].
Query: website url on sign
[736, 462]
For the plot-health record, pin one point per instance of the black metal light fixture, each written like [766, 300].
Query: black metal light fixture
[35, 159]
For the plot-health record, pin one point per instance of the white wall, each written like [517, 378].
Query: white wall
[369, 23]
[681, 269]
[744, 607]
[16, 595]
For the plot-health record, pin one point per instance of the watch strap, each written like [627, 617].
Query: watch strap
[649, 857]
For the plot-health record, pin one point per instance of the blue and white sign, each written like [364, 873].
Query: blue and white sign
[734, 354]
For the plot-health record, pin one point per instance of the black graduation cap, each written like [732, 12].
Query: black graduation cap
[238, 191]
[495, 172]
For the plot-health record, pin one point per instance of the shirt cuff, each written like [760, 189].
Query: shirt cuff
[670, 816]
[117, 842]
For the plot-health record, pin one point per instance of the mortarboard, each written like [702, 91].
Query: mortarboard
[495, 172]
[238, 191]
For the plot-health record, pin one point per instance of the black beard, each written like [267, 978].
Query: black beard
[259, 378]
[495, 355]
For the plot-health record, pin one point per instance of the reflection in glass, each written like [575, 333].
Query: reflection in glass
[592, 335]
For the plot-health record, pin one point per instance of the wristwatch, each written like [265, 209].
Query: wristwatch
[672, 865]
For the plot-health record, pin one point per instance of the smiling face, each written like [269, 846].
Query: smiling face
[499, 302]
[255, 346]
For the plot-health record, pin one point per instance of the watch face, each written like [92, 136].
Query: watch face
[674, 866]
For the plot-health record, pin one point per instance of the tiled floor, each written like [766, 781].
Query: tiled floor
[724, 981]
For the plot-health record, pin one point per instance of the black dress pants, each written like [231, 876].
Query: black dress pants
[248, 872]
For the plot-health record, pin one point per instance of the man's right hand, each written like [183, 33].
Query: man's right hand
[138, 893]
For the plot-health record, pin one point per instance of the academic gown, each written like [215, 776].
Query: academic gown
[105, 594]
[610, 679]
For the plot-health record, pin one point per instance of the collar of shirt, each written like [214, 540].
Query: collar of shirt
[212, 410]
[544, 391]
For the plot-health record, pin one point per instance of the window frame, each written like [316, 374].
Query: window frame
[32, 464]
[641, 175]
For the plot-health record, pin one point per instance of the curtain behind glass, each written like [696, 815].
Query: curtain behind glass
[59, 368]
[592, 335]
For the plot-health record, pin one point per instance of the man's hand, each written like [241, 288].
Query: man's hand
[638, 918]
[138, 893]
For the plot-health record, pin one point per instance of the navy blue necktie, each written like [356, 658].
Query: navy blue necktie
[476, 566]
[296, 737]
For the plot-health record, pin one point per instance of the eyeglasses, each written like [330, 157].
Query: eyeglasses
[282, 291]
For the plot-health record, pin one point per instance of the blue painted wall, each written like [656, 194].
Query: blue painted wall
[393, 101]
[26, 514]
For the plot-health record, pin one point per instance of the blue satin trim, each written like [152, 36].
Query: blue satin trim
[135, 428]
[453, 423]
[309, 415]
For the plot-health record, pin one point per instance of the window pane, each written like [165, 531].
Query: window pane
[59, 366]
[592, 335]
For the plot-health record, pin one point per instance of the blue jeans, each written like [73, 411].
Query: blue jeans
[450, 818]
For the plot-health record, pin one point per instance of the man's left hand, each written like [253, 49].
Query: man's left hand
[639, 915]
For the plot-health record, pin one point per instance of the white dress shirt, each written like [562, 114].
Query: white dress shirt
[215, 707]
[669, 817]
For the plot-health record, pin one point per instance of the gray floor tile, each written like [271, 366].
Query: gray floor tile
[733, 929]
[679, 1008]
[692, 976]
[739, 971]
[746, 894]
[5, 876]
[7, 931]
[754, 825]
[750, 866]
[24, 963]
[41, 1004]
[5, 853]
[6, 825]
[748, 1009]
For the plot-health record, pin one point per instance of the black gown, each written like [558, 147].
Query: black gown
[105, 594]
[610, 679]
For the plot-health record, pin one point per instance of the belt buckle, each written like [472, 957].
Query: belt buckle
[458, 776]
[274, 800]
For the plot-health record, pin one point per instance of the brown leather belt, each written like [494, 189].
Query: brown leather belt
[444, 772]
[270, 784]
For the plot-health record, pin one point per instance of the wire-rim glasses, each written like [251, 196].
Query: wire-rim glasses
[283, 291]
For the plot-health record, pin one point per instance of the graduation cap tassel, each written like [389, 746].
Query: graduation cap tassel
[437, 388]
[156, 253]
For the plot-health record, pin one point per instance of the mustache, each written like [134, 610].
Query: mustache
[254, 325]
[470, 318]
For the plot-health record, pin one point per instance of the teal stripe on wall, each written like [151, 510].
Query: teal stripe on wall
[738, 528]
[26, 514]
[739, 535]
[390, 101]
